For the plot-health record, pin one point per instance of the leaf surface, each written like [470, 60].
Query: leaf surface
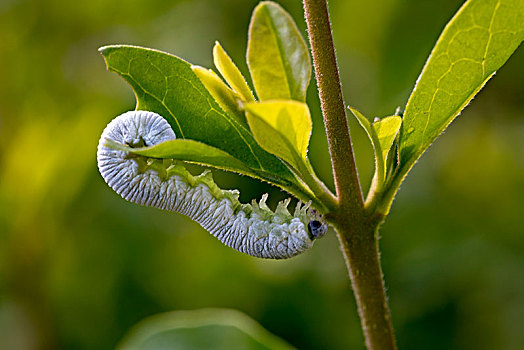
[277, 55]
[475, 43]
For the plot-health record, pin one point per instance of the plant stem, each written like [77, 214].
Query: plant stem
[361, 252]
[326, 71]
[357, 229]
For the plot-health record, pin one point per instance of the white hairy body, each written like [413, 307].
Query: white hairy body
[253, 230]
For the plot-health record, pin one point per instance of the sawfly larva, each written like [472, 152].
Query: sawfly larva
[165, 184]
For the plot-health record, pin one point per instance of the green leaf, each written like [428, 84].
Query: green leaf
[387, 130]
[366, 125]
[230, 72]
[228, 100]
[165, 84]
[475, 43]
[214, 329]
[190, 151]
[382, 134]
[281, 127]
[277, 54]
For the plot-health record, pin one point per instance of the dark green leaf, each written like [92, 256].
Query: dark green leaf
[213, 329]
[165, 84]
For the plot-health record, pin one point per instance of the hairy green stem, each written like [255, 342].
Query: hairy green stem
[361, 251]
[357, 228]
[326, 72]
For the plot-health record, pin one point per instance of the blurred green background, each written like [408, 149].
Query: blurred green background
[79, 266]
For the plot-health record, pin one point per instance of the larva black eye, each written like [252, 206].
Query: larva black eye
[316, 228]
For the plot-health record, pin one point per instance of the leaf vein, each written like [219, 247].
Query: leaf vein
[489, 39]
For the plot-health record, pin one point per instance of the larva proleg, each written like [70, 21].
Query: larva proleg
[249, 228]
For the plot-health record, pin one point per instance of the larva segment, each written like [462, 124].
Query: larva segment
[252, 229]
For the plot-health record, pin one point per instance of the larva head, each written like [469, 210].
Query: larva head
[317, 228]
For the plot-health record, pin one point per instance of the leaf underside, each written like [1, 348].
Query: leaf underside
[190, 151]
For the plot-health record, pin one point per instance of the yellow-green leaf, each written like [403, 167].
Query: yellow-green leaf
[386, 130]
[364, 122]
[231, 73]
[277, 54]
[382, 134]
[281, 127]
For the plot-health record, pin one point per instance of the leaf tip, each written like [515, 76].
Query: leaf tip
[362, 120]
[106, 49]
[268, 3]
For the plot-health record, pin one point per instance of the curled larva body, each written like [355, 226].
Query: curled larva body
[251, 229]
